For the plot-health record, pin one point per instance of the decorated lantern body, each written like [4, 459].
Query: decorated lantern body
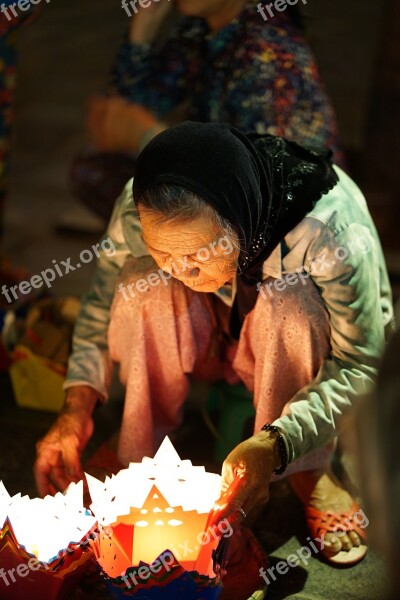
[44, 544]
[159, 505]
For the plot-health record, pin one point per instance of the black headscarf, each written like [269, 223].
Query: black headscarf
[262, 184]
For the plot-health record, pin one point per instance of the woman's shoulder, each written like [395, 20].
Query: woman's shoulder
[125, 227]
[342, 206]
[278, 34]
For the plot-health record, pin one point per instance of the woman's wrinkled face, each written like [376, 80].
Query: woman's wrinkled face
[194, 251]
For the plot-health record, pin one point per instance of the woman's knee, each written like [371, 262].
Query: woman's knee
[279, 302]
[140, 279]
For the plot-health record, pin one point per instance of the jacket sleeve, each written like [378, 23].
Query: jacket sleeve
[155, 78]
[90, 363]
[350, 289]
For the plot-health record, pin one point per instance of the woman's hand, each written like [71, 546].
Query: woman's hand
[246, 474]
[58, 453]
[116, 125]
[147, 22]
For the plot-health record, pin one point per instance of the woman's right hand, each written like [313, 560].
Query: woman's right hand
[59, 451]
[147, 22]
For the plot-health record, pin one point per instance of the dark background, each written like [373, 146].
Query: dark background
[64, 58]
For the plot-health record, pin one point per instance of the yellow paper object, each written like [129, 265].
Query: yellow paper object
[37, 382]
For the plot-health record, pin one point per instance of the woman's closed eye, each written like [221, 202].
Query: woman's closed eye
[158, 255]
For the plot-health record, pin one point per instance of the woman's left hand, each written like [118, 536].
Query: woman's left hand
[246, 474]
[116, 125]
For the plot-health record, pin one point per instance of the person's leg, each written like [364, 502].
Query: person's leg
[283, 343]
[158, 337]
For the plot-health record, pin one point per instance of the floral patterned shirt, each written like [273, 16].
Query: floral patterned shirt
[254, 75]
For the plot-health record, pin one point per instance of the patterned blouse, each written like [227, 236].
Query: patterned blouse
[255, 75]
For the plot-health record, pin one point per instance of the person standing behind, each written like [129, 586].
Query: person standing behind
[221, 62]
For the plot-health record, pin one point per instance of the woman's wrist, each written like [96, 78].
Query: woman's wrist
[140, 38]
[81, 398]
[280, 449]
[143, 29]
[269, 441]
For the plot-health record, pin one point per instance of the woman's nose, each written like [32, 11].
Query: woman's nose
[189, 269]
[193, 272]
[184, 269]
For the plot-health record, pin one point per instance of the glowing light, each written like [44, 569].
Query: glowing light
[156, 487]
[44, 526]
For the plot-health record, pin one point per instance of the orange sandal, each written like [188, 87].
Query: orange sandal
[319, 523]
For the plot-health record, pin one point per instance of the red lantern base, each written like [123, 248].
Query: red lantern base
[245, 559]
[22, 576]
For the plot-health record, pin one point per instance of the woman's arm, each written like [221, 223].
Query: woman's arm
[354, 294]
[147, 82]
[147, 73]
[89, 363]
[90, 368]
[351, 291]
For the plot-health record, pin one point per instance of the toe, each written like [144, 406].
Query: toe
[346, 542]
[332, 544]
[355, 538]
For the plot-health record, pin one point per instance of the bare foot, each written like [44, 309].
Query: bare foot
[321, 490]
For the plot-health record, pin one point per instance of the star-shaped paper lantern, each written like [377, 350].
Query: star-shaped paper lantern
[44, 544]
[161, 505]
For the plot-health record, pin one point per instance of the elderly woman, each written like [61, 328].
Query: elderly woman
[245, 257]
[214, 61]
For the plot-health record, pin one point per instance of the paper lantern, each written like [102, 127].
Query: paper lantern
[44, 544]
[153, 519]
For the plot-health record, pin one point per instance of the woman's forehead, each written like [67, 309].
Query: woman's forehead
[183, 236]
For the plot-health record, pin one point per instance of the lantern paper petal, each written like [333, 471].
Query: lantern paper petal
[44, 544]
[165, 501]
[161, 503]
[166, 455]
[182, 484]
[24, 577]
[46, 525]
